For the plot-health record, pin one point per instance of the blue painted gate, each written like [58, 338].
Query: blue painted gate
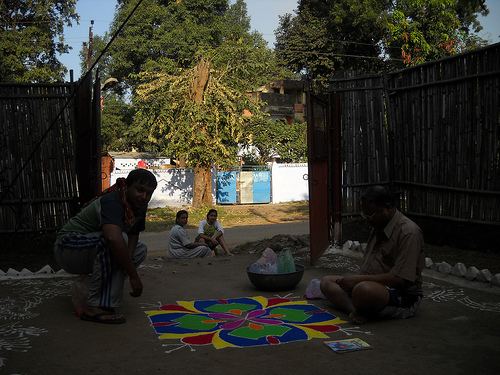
[261, 186]
[226, 187]
[244, 187]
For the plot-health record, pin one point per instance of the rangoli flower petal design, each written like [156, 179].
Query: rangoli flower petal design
[242, 322]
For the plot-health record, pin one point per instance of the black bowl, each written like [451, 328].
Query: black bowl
[277, 281]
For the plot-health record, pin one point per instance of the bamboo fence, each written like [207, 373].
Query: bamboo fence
[431, 132]
[42, 195]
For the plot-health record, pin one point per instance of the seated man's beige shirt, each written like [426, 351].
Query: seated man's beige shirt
[397, 250]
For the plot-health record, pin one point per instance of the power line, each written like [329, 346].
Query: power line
[343, 55]
[29, 22]
[358, 43]
[25, 22]
[362, 44]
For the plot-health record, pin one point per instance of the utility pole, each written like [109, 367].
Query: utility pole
[90, 48]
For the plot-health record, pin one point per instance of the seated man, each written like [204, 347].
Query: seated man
[390, 282]
[103, 240]
[180, 244]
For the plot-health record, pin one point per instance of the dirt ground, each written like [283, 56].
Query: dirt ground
[42, 336]
[455, 332]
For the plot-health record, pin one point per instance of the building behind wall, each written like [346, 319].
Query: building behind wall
[284, 99]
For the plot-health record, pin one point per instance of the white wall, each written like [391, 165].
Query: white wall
[175, 185]
[289, 182]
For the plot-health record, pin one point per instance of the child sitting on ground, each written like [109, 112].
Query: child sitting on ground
[211, 233]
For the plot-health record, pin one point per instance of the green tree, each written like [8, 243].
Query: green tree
[118, 132]
[329, 36]
[160, 32]
[427, 30]
[237, 21]
[98, 44]
[325, 37]
[197, 113]
[163, 29]
[190, 98]
[272, 138]
[32, 35]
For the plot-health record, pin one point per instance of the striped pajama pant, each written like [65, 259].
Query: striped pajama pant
[87, 254]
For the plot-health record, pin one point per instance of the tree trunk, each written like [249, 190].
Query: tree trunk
[202, 189]
[200, 81]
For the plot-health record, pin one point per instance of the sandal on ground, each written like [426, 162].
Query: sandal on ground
[108, 309]
[103, 317]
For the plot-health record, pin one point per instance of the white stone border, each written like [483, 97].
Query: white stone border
[43, 273]
[355, 249]
[471, 273]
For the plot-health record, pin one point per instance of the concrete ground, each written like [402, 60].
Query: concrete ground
[456, 331]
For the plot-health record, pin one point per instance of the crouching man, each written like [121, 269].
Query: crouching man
[102, 241]
[390, 281]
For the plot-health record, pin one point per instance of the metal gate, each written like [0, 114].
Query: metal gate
[320, 193]
[244, 186]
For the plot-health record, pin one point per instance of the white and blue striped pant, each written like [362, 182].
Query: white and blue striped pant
[87, 254]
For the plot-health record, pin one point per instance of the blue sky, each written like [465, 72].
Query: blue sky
[264, 18]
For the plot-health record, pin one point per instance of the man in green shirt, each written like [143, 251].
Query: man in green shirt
[102, 241]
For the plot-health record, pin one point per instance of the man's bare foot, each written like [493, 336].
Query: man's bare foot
[357, 318]
[79, 295]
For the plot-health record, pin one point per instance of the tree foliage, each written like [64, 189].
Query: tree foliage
[32, 35]
[427, 30]
[187, 66]
[275, 139]
[164, 29]
[209, 131]
[167, 37]
[118, 132]
[325, 37]
[163, 42]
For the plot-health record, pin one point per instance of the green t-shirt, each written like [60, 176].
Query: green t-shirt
[107, 209]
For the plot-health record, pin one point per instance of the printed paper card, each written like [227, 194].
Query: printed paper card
[347, 345]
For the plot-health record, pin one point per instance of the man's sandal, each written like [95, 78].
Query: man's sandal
[103, 317]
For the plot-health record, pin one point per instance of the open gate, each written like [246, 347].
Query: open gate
[324, 187]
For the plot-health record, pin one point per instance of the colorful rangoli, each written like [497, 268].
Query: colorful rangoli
[242, 322]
